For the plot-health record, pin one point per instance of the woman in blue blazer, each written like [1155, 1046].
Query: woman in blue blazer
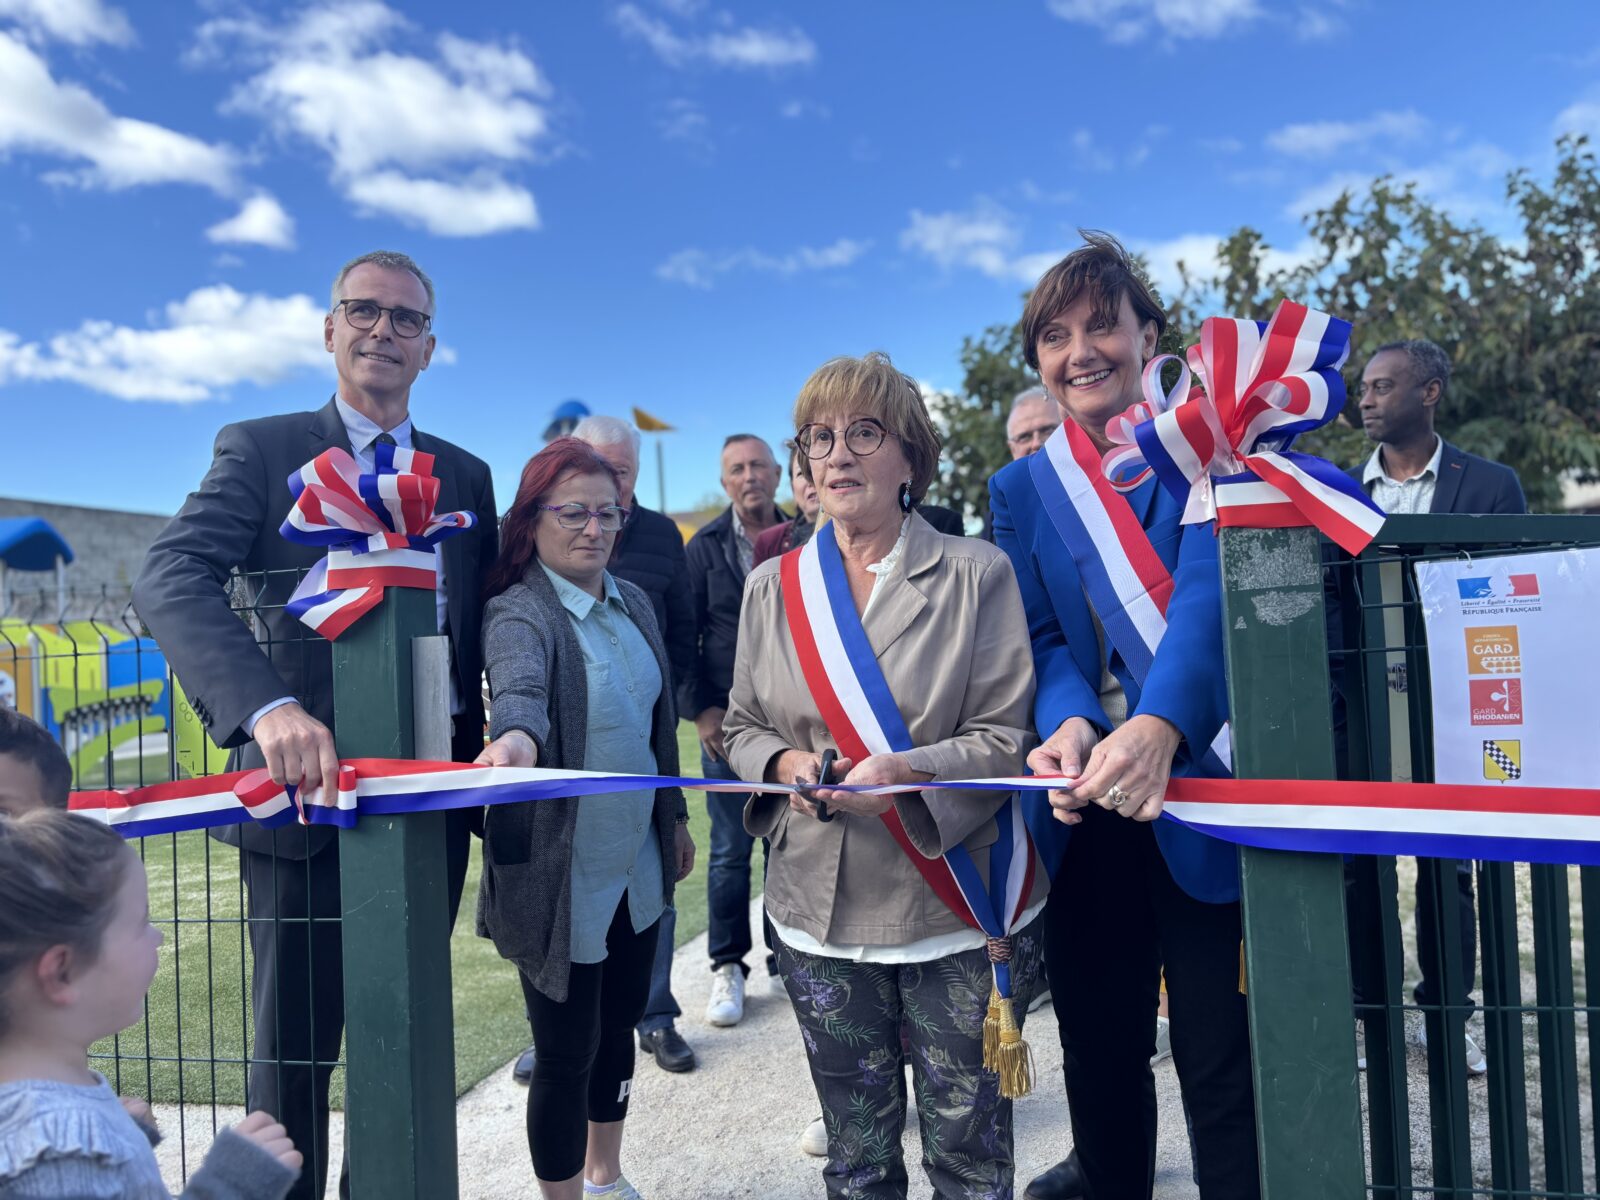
[1132, 895]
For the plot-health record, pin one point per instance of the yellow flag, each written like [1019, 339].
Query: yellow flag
[650, 424]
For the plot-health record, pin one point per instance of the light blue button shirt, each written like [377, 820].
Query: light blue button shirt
[614, 847]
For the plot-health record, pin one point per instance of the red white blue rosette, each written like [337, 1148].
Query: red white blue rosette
[1224, 447]
[379, 527]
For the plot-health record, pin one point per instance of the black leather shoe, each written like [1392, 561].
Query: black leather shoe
[671, 1051]
[1064, 1181]
[522, 1069]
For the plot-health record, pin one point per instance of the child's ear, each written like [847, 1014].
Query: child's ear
[55, 972]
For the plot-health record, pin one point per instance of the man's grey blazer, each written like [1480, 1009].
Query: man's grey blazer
[231, 522]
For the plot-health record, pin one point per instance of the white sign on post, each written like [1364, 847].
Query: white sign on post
[1514, 658]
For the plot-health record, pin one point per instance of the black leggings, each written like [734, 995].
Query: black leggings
[583, 1065]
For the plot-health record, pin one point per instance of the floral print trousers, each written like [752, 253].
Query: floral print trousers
[851, 1019]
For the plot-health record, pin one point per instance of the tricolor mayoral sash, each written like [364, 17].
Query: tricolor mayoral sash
[1127, 584]
[861, 713]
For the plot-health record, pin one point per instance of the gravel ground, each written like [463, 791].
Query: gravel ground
[731, 1128]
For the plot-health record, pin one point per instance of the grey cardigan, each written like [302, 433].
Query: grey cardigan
[537, 684]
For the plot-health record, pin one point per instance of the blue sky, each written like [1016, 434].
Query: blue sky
[683, 205]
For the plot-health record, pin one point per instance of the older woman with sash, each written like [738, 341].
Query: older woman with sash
[1124, 602]
[903, 651]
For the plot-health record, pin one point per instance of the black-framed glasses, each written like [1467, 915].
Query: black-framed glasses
[576, 516]
[365, 314]
[862, 438]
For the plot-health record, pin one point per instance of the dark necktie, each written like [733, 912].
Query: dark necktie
[384, 439]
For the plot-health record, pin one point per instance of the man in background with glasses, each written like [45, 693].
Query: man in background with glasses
[268, 696]
[1033, 418]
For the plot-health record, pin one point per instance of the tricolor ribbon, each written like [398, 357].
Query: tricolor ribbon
[1491, 822]
[379, 527]
[855, 702]
[1224, 448]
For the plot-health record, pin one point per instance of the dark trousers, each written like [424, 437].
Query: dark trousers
[862, 1021]
[583, 1065]
[1115, 918]
[727, 873]
[661, 1009]
[1364, 913]
[297, 988]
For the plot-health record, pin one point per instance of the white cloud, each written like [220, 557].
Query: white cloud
[793, 110]
[1088, 156]
[1323, 139]
[984, 238]
[260, 222]
[76, 22]
[1198, 253]
[1125, 21]
[212, 340]
[481, 204]
[683, 120]
[1582, 116]
[700, 268]
[406, 135]
[735, 47]
[40, 114]
[1468, 182]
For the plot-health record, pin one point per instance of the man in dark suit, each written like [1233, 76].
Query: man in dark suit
[1414, 470]
[267, 695]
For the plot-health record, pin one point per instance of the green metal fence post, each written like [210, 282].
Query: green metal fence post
[1297, 966]
[400, 1122]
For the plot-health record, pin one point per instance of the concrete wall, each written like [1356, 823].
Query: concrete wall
[110, 546]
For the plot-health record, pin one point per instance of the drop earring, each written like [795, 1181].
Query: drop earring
[905, 496]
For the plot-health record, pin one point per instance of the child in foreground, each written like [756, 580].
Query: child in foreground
[77, 953]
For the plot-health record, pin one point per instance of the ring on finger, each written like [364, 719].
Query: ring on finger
[1118, 795]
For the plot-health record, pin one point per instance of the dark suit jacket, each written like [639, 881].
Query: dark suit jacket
[1469, 484]
[717, 582]
[649, 554]
[231, 522]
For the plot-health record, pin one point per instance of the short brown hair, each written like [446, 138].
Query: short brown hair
[1106, 271]
[875, 386]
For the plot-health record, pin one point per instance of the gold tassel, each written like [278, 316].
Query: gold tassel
[1014, 1059]
[991, 1030]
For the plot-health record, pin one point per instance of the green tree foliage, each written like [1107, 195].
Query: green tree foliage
[1519, 316]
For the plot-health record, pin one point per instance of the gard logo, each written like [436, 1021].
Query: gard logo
[1502, 760]
[1493, 595]
[1495, 701]
[1493, 650]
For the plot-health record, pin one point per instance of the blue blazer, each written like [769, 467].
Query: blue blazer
[1186, 684]
[1469, 484]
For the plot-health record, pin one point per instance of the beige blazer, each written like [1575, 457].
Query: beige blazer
[950, 636]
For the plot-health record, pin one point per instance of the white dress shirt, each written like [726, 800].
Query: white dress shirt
[1402, 496]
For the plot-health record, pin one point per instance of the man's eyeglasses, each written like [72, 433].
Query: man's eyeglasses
[364, 315]
[576, 516]
[1039, 434]
[861, 439]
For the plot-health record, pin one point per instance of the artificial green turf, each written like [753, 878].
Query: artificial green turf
[202, 988]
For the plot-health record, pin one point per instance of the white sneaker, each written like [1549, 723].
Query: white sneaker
[620, 1190]
[1477, 1064]
[726, 1006]
[814, 1141]
[1040, 999]
[1163, 1040]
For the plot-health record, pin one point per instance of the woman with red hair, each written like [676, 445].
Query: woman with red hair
[573, 891]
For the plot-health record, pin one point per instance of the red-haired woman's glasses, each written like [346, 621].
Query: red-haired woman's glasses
[576, 516]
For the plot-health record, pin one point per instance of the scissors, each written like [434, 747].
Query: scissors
[824, 777]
